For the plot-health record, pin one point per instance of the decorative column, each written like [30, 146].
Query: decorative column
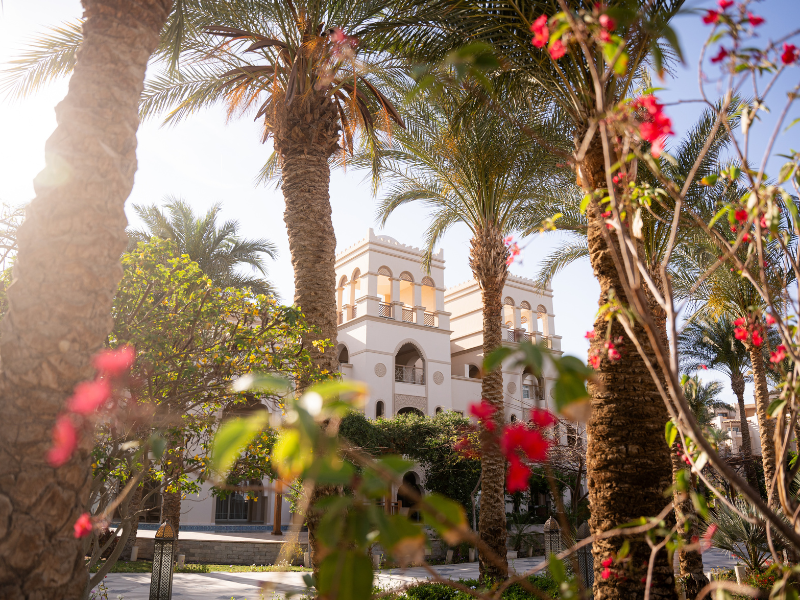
[419, 310]
[397, 304]
[368, 304]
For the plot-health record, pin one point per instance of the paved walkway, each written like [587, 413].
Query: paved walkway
[254, 586]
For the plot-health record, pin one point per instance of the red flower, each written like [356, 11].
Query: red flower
[606, 214]
[704, 367]
[755, 20]
[711, 16]
[607, 22]
[606, 573]
[88, 396]
[589, 335]
[778, 355]
[594, 361]
[540, 32]
[741, 215]
[484, 412]
[513, 437]
[65, 440]
[740, 333]
[740, 322]
[770, 319]
[705, 543]
[557, 50]
[518, 475]
[535, 446]
[657, 126]
[723, 4]
[789, 54]
[605, 37]
[542, 418]
[612, 352]
[721, 55]
[757, 339]
[83, 526]
[607, 562]
[114, 362]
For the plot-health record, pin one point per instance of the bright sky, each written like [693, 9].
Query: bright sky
[206, 160]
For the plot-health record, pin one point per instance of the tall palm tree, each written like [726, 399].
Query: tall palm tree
[710, 343]
[66, 272]
[628, 465]
[217, 250]
[471, 167]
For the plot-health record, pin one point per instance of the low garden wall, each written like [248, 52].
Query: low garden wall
[226, 553]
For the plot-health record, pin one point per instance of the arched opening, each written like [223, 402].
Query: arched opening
[542, 316]
[341, 299]
[380, 409]
[474, 372]
[508, 311]
[513, 418]
[344, 355]
[429, 299]
[355, 288]
[407, 492]
[532, 389]
[410, 410]
[385, 292]
[409, 366]
[527, 317]
[439, 410]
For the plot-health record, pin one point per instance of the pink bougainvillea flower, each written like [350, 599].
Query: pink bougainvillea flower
[508, 239]
[757, 339]
[594, 361]
[484, 412]
[114, 362]
[740, 333]
[770, 319]
[778, 355]
[613, 354]
[606, 573]
[740, 215]
[710, 17]
[541, 33]
[535, 446]
[518, 475]
[605, 37]
[721, 55]
[88, 396]
[557, 50]
[755, 20]
[705, 542]
[83, 526]
[704, 367]
[513, 438]
[740, 322]
[65, 440]
[607, 561]
[589, 335]
[607, 22]
[542, 418]
[789, 54]
[724, 4]
[657, 126]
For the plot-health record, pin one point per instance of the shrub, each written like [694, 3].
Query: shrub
[440, 591]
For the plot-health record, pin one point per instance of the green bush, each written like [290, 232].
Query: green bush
[440, 591]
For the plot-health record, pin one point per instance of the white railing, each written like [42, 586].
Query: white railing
[385, 310]
[408, 315]
[428, 319]
[510, 337]
[409, 374]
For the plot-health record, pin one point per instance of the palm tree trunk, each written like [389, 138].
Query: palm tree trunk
[306, 134]
[488, 262]
[766, 426]
[66, 274]
[628, 464]
[171, 511]
[737, 385]
[134, 506]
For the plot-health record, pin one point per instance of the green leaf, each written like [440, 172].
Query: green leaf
[786, 171]
[445, 516]
[345, 575]
[231, 437]
[158, 445]
[557, 569]
[569, 388]
[260, 381]
[402, 538]
[396, 464]
[700, 504]
[585, 203]
[792, 124]
[495, 358]
[775, 407]
[289, 456]
[709, 179]
[718, 216]
[623, 552]
[670, 433]
[332, 470]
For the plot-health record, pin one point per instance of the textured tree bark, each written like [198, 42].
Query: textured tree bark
[737, 385]
[488, 262]
[133, 508]
[306, 135]
[65, 276]
[628, 464]
[691, 561]
[766, 426]
[171, 511]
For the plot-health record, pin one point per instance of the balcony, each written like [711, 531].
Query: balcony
[341, 317]
[408, 315]
[385, 310]
[510, 337]
[409, 374]
[428, 319]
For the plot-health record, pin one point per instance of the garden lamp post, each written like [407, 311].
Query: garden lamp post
[552, 537]
[585, 558]
[163, 552]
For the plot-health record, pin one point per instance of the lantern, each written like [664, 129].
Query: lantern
[585, 558]
[163, 551]
[552, 538]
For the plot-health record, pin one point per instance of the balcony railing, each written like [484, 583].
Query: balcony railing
[409, 374]
[355, 311]
[385, 310]
[547, 341]
[341, 317]
[408, 315]
[523, 336]
[510, 337]
[427, 319]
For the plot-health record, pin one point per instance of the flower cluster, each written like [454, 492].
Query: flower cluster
[654, 126]
[779, 355]
[518, 441]
[749, 329]
[513, 249]
[86, 399]
[611, 348]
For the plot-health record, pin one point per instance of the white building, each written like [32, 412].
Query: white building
[417, 345]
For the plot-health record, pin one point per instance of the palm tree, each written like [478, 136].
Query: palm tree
[710, 343]
[471, 167]
[217, 250]
[66, 272]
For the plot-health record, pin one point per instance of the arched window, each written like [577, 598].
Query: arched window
[410, 410]
[344, 355]
[385, 292]
[508, 301]
[380, 411]
[524, 304]
[428, 294]
[439, 410]
[532, 388]
[474, 372]
[409, 366]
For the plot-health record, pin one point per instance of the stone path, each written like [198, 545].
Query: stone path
[254, 586]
